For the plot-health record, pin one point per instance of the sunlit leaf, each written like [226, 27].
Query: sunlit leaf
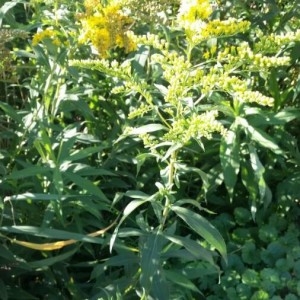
[230, 158]
[204, 228]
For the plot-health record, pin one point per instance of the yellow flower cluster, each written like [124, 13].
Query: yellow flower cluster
[236, 87]
[49, 33]
[149, 142]
[219, 80]
[153, 40]
[254, 97]
[227, 27]
[193, 10]
[140, 111]
[180, 75]
[193, 18]
[106, 28]
[273, 42]
[113, 68]
[243, 55]
[196, 126]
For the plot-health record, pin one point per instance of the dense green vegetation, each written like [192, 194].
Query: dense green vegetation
[149, 149]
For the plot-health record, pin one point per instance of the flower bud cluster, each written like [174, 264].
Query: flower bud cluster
[254, 97]
[198, 30]
[149, 142]
[242, 55]
[180, 75]
[274, 42]
[219, 80]
[113, 69]
[150, 39]
[238, 88]
[196, 126]
[140, 111]
[192, 10]
[227, 27]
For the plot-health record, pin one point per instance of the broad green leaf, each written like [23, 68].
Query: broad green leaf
[6, 253]
[147, 128]
[133, 205]
[58, 181]
[44, 263]
[10, 111]
[274, 87]
[29, 172]
[230, 159]
[127, 211]
[196, 203]
[86, 185]
[203, 227]
[140, 160]
[83, 153]
[186, 169]
[160, 287]
[260, 137]
[258, 117]
[65, 146]
[140, 60]
[51, 233]
[6, 7]
[288, 114]
[258, 170]
[171, 150]
[150, 252]
[136, 194]
[192, 246]
[36, 196]
[4, 295]
[181, 280]
[249, 181]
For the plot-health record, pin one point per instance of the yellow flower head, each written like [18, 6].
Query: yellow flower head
[193, 10]
[48, 33]
[107, 28]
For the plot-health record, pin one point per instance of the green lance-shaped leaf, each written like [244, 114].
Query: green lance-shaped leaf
[181, 280]
[258, 171]
[150, 259]
[31, 171]
[262, 138]
[250, 184]
[147, 128]
[4, 294]
[230, 159]
[133, 205]
[203, 227]
[87, 185]
[192, 246]
[44, 263]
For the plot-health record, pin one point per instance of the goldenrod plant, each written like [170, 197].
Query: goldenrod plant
[152, 151]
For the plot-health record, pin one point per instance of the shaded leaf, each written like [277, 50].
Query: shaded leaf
[150, 259]
[192, 246]
[181, 280]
